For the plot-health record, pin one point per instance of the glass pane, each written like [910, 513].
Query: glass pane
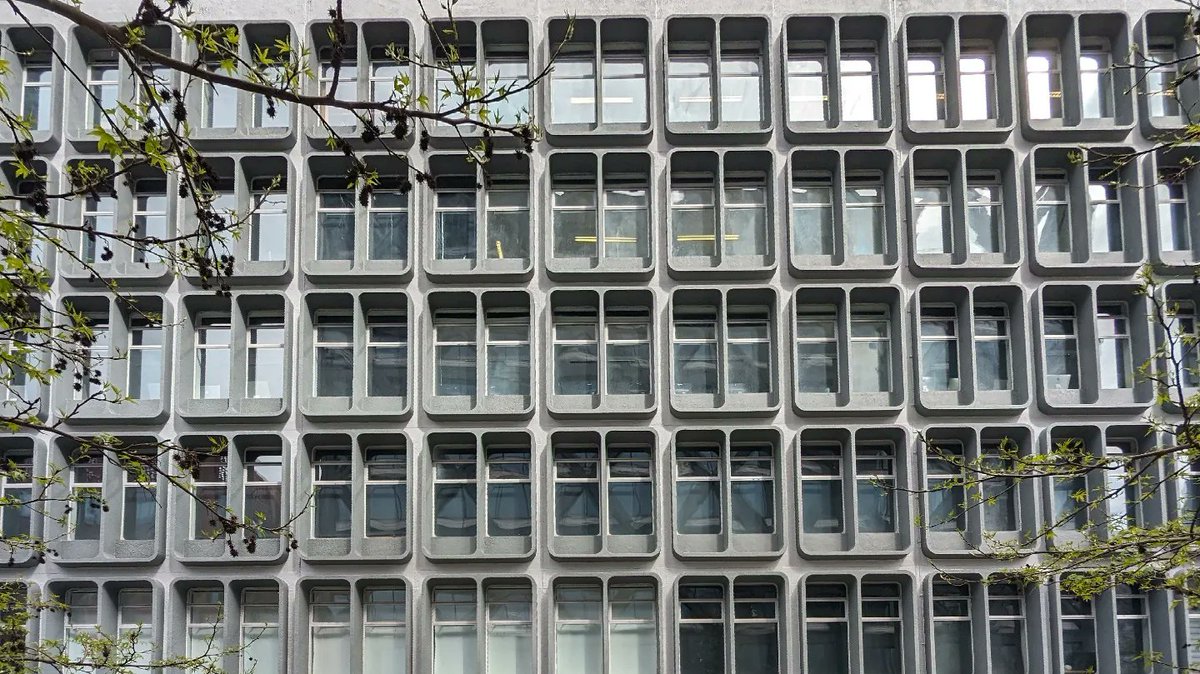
[698, 507]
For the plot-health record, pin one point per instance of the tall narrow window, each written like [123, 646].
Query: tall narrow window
[455, 630]
[1078, 623]
[870, 350]
[701, 629]
[135, 623]
[145, 359]
[999, 492]
[826, 628]
[335, 220]
[689, 87]
[509, 496]
[1185, 351]
[1095, 80]
[509, 635]
[939, 349]
[334, 355]
[1061, 335]
[1006, 625]
[387, 354]
[817, 349]
[260, 632]
[139, 508]
[102, 83]
[630, 491]
[985, 213]
[821, 489]
[633, 629]
[99, 216]
[277, 113]
[574, 213]
[698, 505]
[627, 352]
[693, 218]
[578, 629]
[454, 353]
[876, 468]
[931, 215]
[1052, 213]
[507, 220]
[16, 487]
[1070, 495]
[756, 628]
[387, 74]
[454, 224]
[92, 373]
[577, 491]
[1174, 227]
[977, 84]
[926, 85]
[864, 215]
[947, 502]
[1161, 76]
[752, 488]
[212, 495]
[507, 353]
[881, 629]
[263, 486]
[952, 628]
[1121, 500]
[1104, 213]
[269, 223]
[387, 492]
[329, 629]
[37, 87]
[808, 87]
[81, 623]
[745, 216]
[1113, 347]
[387, 221]
[695, 344]
[205, 626]
[345, 74]
[860, 84]
[1133, 630]
[812, 215]
[623, 88]
[218, 102]
[265, 357]
[748, 344]
[573, 90]
[454, 493]
[212, 356]
[332, 500]
[149, 217]
[626, 219]
[385, 630]
[87, 497]
[576, 352]
[1044, 73]
[511, 74]
[993, 370]
[741, 85]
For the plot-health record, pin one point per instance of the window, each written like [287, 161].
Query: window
[135, 622]
[508, 630]
[37, 89]
[581, 631]
[455, 630]
[985, 213]
[205, 626]
[1061, 342]
[263, 485]
[91, 373]
[1069, 512]
[345, 74]
[1122, 503]
[508, 492]
[693, 218]
[140, 507]
[218, 102]
[864, 214]
[265, 371]
[387, 222]
[745, 216]
[149, 216]
[385, 630]
[812, 215]
[332, 500]
[945, 463]
[102, 83]
[507, 504]
[860, 83]
[993, 368]
[86, 475]
[145, 359]
[881, 629]
[329, 629]
[875, 466]
[1104, 212]
[1174, 221]
[826, 628]
[334, 355]
[211, 490]
[1000, 494]
[623, 87]
[1161, 80]
[741, 85]
[707, 623]
[81, 622]
[507, 219]
[276, 113]
[1052, 213]
[1113, 347]
[926, 84]
[99, 216]
[689, 85]
[939, 348]
[624, 360]
[335, 220]
[454, 357]
[1183, 346]
[821, 489]
[573, 90]
[932, 224]
[952, 653]
[1095, 78]
[16, 487]
[260, 638]
[614, 486]
[1045, 90]
[509, 72]
[387, 354]
[507, 353]
[212, 356]
[1006, 625]
[1078, 624]
[870, 349]
[1133, 630]
[387, 492]
[817, 349]
[269, 222]
[455, 224]
[977, 92]
[808, 84]
[744, 366]
[748, 471]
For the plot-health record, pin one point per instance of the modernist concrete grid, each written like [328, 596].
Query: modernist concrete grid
[698, 595]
